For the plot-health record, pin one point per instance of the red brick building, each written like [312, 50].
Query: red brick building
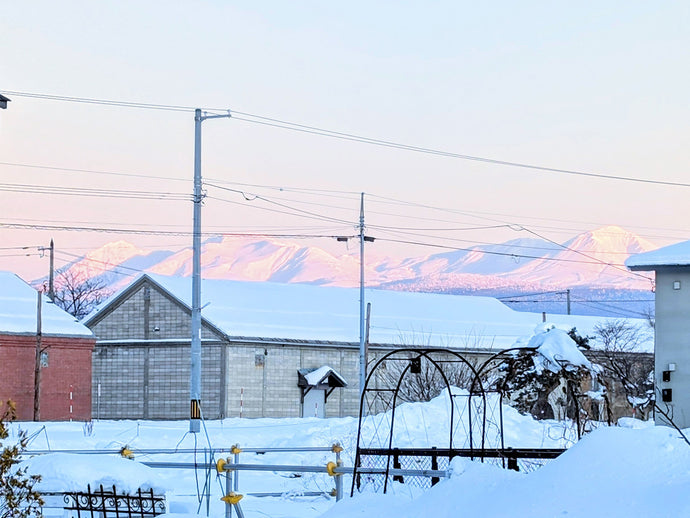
[66, 345]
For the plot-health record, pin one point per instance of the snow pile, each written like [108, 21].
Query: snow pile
[70, 472]
[557, 350]
[428, 424]
[612, 472]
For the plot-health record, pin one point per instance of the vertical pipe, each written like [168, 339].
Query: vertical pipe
[228, 486]
[236, 480]
[37, 365]
[362, 352]
[195, 364]
[51, 274]
[338, 477]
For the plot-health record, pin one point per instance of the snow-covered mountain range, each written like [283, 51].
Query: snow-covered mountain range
[590, 260]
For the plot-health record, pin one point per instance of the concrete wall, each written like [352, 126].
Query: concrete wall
[148, 315]
[65, 379]
[262, 380]
[151, 381]
[141, 361]
[672, 342]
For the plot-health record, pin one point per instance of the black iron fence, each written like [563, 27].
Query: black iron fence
[108, 503]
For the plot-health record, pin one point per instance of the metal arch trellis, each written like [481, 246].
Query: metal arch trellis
[485, 380]
[410, 354]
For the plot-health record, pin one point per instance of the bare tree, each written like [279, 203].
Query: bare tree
[623, 367]
[78, 294]
[421, 379]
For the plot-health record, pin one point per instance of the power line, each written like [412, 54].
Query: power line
[314, 130]
[94, 171]
[506, 254]
[621, 267]
[378, 199]
[92, 193]
[38, 226]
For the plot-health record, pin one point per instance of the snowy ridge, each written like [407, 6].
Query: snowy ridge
[521, 263]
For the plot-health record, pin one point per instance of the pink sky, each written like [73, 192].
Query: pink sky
[586, 87]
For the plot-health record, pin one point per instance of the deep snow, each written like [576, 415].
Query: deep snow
[636, 469]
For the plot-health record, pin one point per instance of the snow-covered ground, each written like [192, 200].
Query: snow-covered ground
[635, 469]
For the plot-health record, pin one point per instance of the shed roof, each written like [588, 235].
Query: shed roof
[306, 313]
[677, 254]
[322, 376]
[18, 311]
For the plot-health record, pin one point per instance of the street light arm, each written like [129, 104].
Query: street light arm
[225, 115]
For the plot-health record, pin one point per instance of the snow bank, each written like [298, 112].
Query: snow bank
[612, 472]
[70, 472]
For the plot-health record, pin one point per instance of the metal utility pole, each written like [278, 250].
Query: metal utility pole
[195, 375]
[362, 349]
[363, 333]
[567, 297]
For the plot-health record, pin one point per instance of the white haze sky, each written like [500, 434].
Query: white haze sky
[590, 86]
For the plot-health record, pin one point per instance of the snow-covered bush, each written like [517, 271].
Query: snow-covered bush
[545, 378]
[18, 499]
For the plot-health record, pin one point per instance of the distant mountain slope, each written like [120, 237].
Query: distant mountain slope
[590, 260]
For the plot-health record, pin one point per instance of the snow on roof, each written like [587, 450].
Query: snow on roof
[319, 375]
[673, 255]
[306, 312]
[18, 309]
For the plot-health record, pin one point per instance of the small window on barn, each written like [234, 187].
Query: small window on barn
[259, 360]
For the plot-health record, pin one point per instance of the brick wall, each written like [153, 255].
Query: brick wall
[65, 381]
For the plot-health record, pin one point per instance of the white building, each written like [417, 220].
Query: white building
[671, 265]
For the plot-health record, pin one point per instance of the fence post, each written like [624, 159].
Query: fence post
[339, 476]
[434, 465]
[396, 465]
[228, 489]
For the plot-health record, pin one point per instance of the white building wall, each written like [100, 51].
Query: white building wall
[672, 344]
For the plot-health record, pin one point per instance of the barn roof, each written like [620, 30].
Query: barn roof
[306, 313]
[19, 306]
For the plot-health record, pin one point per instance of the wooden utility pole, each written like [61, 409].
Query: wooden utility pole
[51, 278]
[37, 366]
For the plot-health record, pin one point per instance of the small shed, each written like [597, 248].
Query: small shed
[671, 265]
[316, 386]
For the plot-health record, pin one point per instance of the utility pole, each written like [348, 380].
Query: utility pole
[195, 363]
[362, 349]
[37, 364]
[363, 334]
[567, 298]
[51, 277]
